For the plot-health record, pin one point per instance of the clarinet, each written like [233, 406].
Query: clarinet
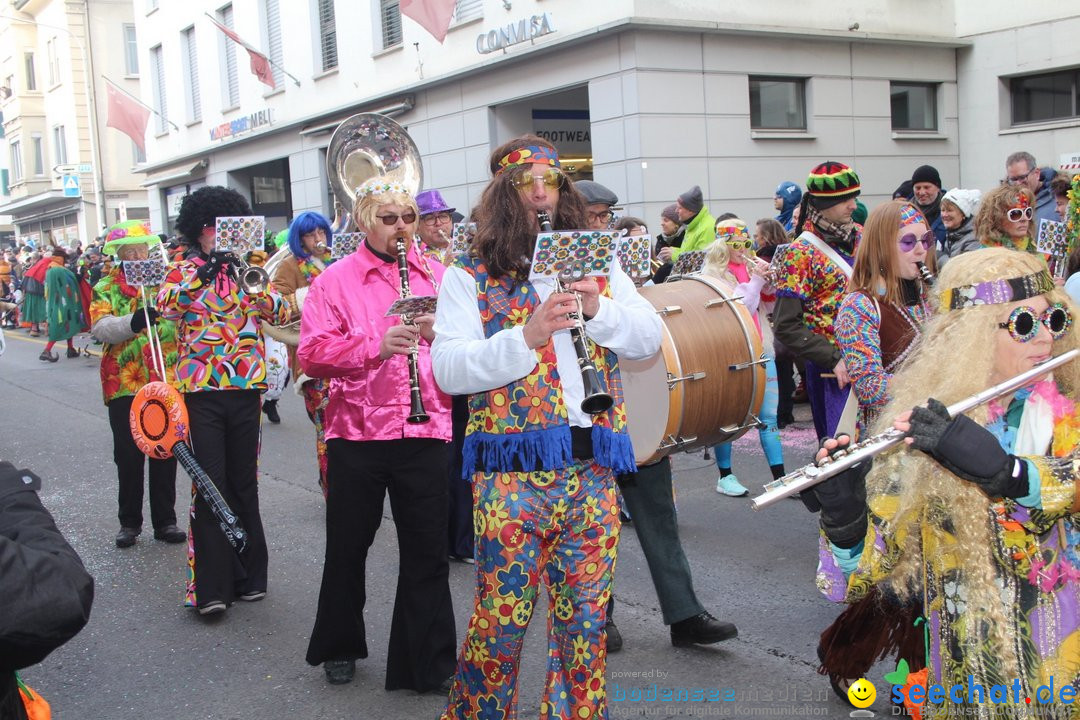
[596, 400]
[417, 414]
[927, 276]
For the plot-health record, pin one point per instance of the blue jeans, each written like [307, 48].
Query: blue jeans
[769, 435]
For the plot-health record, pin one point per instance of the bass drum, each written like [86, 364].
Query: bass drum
[706, 384]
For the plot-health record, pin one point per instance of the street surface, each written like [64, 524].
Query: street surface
[143, 655]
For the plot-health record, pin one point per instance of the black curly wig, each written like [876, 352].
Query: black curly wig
[201, 207]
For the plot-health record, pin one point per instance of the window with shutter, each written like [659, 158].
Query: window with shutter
[191, 75]
[274, 48]
[466, 10]
[390, 15]
[131, 50]
[327, 35]
[230, 82]
[158, 67]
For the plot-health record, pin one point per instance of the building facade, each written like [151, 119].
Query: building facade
[648, 97]
[67, 176]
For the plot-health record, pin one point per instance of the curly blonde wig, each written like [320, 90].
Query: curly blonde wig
[990, 219]
[951, 363]
[717, 257]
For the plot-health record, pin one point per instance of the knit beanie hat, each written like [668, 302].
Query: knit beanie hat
[671, 212]
[860, 214]
[692, 199]
[966, 200]
[926, 174]
[831, 183]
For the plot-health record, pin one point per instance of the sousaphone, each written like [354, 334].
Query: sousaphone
[368, 145]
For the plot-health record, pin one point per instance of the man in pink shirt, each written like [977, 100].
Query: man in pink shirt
[372, 448]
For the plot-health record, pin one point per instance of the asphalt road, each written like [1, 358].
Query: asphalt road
[143, 655]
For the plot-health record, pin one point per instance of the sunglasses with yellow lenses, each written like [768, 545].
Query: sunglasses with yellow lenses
[739, 243]
[523, 179]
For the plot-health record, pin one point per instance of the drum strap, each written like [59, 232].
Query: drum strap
[849, 417]
[825, 249]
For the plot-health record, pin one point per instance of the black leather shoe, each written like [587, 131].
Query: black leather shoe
[270, 408]
[701, 629]
[339, 672]
[47, 356]
[170, 534]
[72, 352]
[126, 537]
[614, 637]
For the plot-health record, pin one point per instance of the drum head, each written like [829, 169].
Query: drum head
[645, 392]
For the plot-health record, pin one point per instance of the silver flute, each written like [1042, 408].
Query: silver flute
[810, 475]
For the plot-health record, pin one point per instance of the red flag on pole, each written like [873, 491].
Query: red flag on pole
[432, 15]
[260, 64]
[127, 115]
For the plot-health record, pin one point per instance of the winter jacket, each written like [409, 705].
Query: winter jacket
[700, 234]
[958, 241]
[663, 241]
[47, 591]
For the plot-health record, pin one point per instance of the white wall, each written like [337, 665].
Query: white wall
[986, 135]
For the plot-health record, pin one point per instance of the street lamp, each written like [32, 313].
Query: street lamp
[88, 88]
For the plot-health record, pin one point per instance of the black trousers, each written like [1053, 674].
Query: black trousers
[460, 526]
[225, 440]
[785, 379]
[129, 461]
[648, 497]
[422, 650]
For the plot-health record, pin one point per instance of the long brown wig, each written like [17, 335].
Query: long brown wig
[876, 270]
[505, 230]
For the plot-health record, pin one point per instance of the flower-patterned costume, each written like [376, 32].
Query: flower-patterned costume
[538, 512]
[1037, 568]
[127, 364]
[804, 273]
[221, 349]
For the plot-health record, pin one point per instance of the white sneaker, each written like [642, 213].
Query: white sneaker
[730, 485]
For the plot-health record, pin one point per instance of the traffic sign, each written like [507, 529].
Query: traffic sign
[65, 169]
[71, 186]
[86, 168]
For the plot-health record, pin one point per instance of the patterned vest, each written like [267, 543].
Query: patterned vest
[524, 425]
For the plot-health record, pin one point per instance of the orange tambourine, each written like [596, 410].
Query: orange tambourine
[159, 426]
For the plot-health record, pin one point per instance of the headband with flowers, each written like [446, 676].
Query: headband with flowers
[1022, 200]
[529, 154]
[377, 186]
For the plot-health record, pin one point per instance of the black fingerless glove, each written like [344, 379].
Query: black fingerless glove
[210, 269]
[968, 450]
[138, 319]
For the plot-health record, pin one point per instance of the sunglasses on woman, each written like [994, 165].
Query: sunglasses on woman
[1023, 322]
[523, 179]
[907, 242]
[409, 218]
[739, 244]
[1015, 214]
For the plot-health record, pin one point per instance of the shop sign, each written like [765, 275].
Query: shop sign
[241, 125]
[1070, 161]
[568, 130]
[523, 30]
